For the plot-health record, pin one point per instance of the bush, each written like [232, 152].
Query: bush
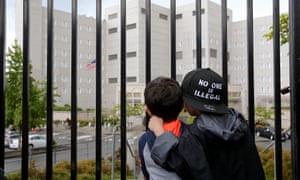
[267, 159]
[86, 170]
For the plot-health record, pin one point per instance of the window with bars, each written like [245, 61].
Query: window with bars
[202, 53]
[131, 54]
[179, 16]
[112, 57]
[112, 16]
[112, 80]
[163, 16]
[202, 12]
[112, 30]
[213, 53]
[131, 79]
[131, 26]
[179, 55]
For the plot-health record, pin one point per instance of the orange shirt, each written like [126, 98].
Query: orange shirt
[173, 126]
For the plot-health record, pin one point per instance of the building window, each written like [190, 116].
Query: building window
[131, 79]
[113, 16]
[202, 53]
[212, 53]
[134, 98]
[178, 16]
[112, 57]
[112, 30]
[143, 10]
[112, 80]
[131, 26]
[202, 12]
[179, 55]
[163, 16]
[131, 54]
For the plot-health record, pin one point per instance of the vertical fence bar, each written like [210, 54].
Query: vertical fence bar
[250, 65]
[98, 88]
[148, 47]
[74, 91]
[198, 34]
[49, 159]
[148, 40]
[224, 48]
[173, 38]
[2, 80]
[277, 96]
[123, 90]
[294, 30]
[25, 102]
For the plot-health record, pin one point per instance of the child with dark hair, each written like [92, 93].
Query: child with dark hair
[163, 98]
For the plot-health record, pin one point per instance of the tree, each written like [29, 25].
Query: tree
[283, 30]
[131, 110]
[262, 115]
[13, 92]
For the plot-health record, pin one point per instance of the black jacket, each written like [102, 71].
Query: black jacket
[218, 147]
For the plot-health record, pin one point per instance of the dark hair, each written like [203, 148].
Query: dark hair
[163, 97]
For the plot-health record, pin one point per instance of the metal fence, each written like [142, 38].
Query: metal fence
[294, 44]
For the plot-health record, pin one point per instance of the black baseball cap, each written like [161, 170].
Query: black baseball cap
[203, 89]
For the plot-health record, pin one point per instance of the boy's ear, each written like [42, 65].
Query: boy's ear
[148, 110]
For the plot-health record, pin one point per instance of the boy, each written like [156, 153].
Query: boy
[222, 133]
[163, 98]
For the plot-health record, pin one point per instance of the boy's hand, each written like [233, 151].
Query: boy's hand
[156, 125]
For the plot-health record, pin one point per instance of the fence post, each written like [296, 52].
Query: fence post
[294, 27]
[113, 153]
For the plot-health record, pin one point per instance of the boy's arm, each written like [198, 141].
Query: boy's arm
[162, 146]
[164, 141]
[186, 157]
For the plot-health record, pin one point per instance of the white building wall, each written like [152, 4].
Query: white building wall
[160, 50]
[211, 37]
[263, 61]
[135, 38]
[61, 52]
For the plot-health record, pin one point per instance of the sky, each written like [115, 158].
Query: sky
[87, 7]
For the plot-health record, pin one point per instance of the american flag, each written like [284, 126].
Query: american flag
[90, 65]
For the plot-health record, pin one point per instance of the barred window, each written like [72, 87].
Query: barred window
[113, 16]
[112, 80]
[112, 30]
[131, 79]
[163, 16]
[131, 26]
[179, 55]
[131, 54]
[112, 57]
[202, 11]
[178, 16]
[202, 53]
[213, 53]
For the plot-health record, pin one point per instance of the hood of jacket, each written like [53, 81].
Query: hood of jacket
[227, 127]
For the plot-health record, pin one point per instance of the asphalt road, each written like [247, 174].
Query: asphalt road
[86, 147]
